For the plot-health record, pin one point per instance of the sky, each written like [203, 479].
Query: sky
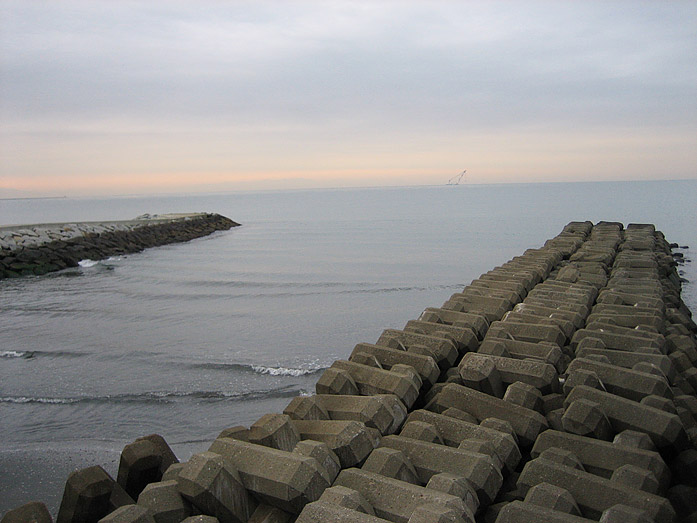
[140, 97]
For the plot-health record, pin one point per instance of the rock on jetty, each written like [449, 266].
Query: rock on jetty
[558, 387]
[38, 249]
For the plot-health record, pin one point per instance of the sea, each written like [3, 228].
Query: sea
[188, 339]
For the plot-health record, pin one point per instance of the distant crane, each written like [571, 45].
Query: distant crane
[455, 180]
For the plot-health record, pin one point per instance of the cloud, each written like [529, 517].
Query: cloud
[252, 86]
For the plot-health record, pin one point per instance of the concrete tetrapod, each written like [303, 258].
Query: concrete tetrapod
[430, 459]
[526, 423]
[282, 479]
[393, 499]
[592, 493]
[210, 483]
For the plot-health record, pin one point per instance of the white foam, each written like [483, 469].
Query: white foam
[24, 399]
[12, 354]
[282, 371]
[87, 263]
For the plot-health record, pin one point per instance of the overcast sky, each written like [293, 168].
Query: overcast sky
[125, 97]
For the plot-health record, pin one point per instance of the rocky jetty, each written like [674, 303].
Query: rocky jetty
[39, 249]
[558, 387]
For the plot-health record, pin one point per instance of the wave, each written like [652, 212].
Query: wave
[87, 263]
[285, 371]
[263, 369]
[41, 354]
[14, 354]
[164, 396]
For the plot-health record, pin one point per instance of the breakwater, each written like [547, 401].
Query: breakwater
[474, 410]
[40, 249]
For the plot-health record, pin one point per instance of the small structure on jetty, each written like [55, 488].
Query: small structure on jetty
[560, 387]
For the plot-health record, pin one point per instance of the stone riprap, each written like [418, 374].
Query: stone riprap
[29, 250]
[560, 386]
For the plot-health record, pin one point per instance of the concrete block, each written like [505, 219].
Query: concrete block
[525, 395]
[592, 493]
[553, 418]
[384, 412]
[89, 495]
[365, 359]
[125, 514]
[602, 458]
[514, 290]
[274, 430]
[554, 497]
[477, 322]
[426, 366]
[556, 303]
[465, 339]
[393, 499]
[237, 432]
[269, 514]
[433, 513]
[665, 429]
[624, 514]
[496, 424]
[620, 342]
[457, 486]
[566, 326]
[281, 479]
[391, 463]
[480, 373]
[624, 382]
[661, 403]
[421, 431]
[336, 381]
[440, 349]
[582, 377]
[459, 414]
[492, 308]
[327, 460]
[370, 381]
[562, 457]
[574, 317]
[213, 486]
[32, 512]
[634, 439]
[323, 511]
[481, 446]
[347, 498]
[172, 473]
[430, 459]
[542, 376]
[526, 423]
[630, 359]
[351, 441]
[304, 407]
[163, 449]
[529, 332]
[586, 418]
[521, 512]
[454, 431]
[164, 502]
[637, 478]
[139, 465]
[654, 321]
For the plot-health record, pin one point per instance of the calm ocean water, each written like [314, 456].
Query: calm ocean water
[188, 339]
